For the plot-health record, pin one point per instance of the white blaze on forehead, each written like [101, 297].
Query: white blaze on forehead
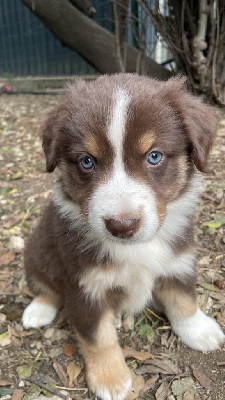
[122, 195]
[118, 120]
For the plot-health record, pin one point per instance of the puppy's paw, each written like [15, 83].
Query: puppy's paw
[108, 375]
[199, 332]
[110, 384]
[118, 320]
[128, 322]
[37, 314]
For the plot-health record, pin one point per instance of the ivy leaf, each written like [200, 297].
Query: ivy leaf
[146, 330]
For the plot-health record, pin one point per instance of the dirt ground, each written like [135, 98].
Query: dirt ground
[32, 360]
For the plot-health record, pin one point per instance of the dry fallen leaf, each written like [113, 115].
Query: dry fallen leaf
[7, 258]
[139, 355]
[209, 286]
[162, 392]
[4, 382]
[18, 394]
[55, 334]
[138, 384]
[61, 373]
[12, 222]
[188, 395]
[202, 378]
[73, 371]
[69, 349]
[5, 339]
[166, 367]
[151, 382]
[2, 318]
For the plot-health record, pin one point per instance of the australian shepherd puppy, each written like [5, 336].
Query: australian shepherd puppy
[117, 234]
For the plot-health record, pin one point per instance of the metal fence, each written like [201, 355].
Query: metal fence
[27, 47]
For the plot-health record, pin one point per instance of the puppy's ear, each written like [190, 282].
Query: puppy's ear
[199, 120]
[50, 132]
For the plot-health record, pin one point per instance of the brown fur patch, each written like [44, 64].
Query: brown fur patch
[146, 142]
[176, 298]
[92, 146]
[51, 300]
[105, 364]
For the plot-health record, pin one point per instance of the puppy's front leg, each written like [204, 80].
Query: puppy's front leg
[194, 328]
[106, 371]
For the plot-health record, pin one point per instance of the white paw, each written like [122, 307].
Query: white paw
[38, 314]
[199, 332]
[118, 321]
[116, 392]
[128, 322]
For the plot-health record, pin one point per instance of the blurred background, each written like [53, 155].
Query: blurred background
[43, 43]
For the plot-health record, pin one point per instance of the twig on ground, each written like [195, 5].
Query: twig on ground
[45, 387]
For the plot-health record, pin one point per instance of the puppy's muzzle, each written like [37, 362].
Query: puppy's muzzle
[122, 228]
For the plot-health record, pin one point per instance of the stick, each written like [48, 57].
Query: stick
[43, 386]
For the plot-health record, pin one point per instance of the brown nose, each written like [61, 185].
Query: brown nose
[122, 228]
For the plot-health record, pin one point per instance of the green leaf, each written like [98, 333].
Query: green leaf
[17, 175]
[180, 386]
[146, 330]
[4, 334]
[213, 224]
[220, 219]
[24, 371]
[4, 190]
[4, 392]
[13, 191]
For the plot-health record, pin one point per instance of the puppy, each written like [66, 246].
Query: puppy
[118, 232]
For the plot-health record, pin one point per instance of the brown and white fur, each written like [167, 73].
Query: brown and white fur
[119, 236]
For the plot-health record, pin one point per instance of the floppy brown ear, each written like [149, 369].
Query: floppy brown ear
[50, 131]
[200, 124]
[199, 120]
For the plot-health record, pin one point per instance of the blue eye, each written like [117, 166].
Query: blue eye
[87, 163]
[154, 158]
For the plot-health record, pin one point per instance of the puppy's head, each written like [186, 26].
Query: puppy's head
[127, 146]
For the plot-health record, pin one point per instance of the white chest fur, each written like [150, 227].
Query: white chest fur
[136, 266]
[135, 270]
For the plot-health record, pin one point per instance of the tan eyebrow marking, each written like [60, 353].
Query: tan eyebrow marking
[146, 141]
[92, 146]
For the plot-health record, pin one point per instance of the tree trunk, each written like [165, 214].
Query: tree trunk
[90, 40]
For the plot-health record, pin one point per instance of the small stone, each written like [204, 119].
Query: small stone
[56, 334]
[220, 194]
[55, 352]
[34, 352]
[16, 242]
[3, 202]
[21, 384]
